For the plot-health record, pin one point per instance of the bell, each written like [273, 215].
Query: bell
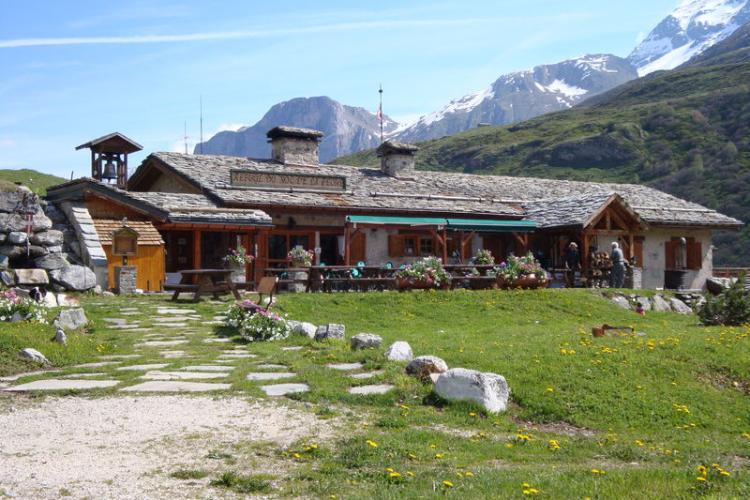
[110, 172]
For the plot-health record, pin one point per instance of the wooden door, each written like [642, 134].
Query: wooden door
[358, 248]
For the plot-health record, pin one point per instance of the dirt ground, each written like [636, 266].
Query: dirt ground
[126, 447]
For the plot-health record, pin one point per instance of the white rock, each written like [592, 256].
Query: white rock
[366, 341]
[330, 331]
[399, 351]
[283, 389]
[621, 301]
[34, 355]
[660, 305]
[49, 300]
[679, 306]
[423, 366]
[60, 337]
[370, 389]
[304, 328]
[71, 319]
[488, 390]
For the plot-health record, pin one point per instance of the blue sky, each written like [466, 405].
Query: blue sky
[77, 69]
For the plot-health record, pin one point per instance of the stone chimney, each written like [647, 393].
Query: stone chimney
[397, 158]
[296, 146]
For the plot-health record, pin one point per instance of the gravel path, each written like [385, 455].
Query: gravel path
[126, 447]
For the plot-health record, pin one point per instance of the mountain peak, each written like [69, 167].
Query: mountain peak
[691, 28]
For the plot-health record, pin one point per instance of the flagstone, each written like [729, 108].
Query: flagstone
[366, 374]
[207, 368]
[371, 389]
[238, 355]
[345, 366]
[269, 366]
[83, 375]
[175, 386]
[283, 389]
[13, 378]
[160, 375]
[118, 321]
[173, 325]
[110, 357]
[167, 310]
[293, 348]
[172, 354]
[269, 375]
[161, 343]
[97, 364]
[220, 340]
[53, 384]
[152, 366]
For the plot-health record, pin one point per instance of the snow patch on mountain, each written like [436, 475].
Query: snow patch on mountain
[465, 103]
[690, 29]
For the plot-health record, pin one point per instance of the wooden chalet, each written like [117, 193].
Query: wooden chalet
[202, 205]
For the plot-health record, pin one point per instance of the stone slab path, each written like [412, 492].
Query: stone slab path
[153, 366]
[160, 375]
[172, 386]
[53, 384]
[345, 366]
[370, 389]
[284, 389]
[270, 375]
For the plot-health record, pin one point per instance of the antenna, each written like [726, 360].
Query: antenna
[380, 112]
[185, 137]
[200, 148]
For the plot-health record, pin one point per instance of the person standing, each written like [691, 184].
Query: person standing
[618, 266]
[572, 264]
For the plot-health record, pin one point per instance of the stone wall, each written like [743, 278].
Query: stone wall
[42, 253]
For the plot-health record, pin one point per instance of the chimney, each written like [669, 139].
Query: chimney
[397, 159]
[296, 146]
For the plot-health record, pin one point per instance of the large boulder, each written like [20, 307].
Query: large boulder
[303, 328]
[17, 238]
[31, 277]
[718, 285]
[661, 305]
[33, 355]
[330, 331]
[7, 278]
[51, 261]
[488, 390]
[621, 301]
[679, 306]
[79, 278]
[399, 351]
[49, 238]
[4, 262]
[645, 302]
[15, 222]
[71, 319]
[12, 251]
[423, 367]
[366, 341]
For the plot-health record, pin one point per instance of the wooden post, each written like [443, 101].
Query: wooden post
[631, 245]
[584, 252]
[347, 245]
[196, 249]
[445, 246]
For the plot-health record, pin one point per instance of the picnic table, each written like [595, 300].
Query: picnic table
[201, 281]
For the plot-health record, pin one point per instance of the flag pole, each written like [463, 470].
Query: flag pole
[380, 91]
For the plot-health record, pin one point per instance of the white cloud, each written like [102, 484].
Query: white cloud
[233, 127]
[230, 35]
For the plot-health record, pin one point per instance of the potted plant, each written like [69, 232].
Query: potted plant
[521, 272]
[422, 274]
[299, 257]
[484, 257]
[236, 260]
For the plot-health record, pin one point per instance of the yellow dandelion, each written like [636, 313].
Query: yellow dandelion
[472, 414]
[700, 478]
[388, 469]
[439, 455]
[724, 473]
[372, 443]
[509, 445]
[447, 484]
[409, 473]
[297, 455]
[468, 473]
[394, 475]
[550, 389]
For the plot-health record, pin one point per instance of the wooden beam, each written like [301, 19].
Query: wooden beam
[347, 245]
[445, 246]
[197, 249]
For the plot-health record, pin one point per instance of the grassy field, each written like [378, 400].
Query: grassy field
[36, 181]
[614, 417]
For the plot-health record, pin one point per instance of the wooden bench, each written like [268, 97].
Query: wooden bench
[200, 281]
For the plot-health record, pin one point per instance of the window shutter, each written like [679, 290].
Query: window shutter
[395, 246]
[670, 248]
[694, 254]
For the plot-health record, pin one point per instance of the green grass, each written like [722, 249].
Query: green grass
[36, 181]
[612, 404]
[189, 474]
[81, 347]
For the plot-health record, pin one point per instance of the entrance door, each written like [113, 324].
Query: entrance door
[179, 251]
[330, 254]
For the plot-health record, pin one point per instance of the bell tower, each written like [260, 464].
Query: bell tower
[109, 158]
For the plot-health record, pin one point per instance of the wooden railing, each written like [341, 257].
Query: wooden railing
[370, 278]
[731, 272]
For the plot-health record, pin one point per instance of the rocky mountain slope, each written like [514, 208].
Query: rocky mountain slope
[523, 95]
[685, 131]
[347, 129]
[690, 29]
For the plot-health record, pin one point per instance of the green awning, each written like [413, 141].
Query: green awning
[478, 225]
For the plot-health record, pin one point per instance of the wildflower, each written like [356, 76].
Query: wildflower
[447, 484]
[702, 470]
[554, 445]
[394, 475]
[550, 389]
[297, 455]
[700, 478]
[439, 455]
[388, 469]
[639, 442]
[372, 443]
[412, 456]
[509, 445]
[472, 414]
[598, 471]
[468, 473]
[409, 473]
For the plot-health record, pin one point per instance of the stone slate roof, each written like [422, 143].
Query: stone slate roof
[299, 132]
[147, 233]
[368, 189]
[571, 211]
[167, 207]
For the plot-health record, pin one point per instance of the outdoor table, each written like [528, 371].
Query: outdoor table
[200, 281]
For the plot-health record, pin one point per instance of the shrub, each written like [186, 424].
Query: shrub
[255, 324]
[11, 304]
[484, 258]
[731, 308]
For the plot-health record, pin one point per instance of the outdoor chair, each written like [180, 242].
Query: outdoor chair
[267, 286]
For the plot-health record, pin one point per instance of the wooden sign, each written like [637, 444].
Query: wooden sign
[125, 242]
[313, 182]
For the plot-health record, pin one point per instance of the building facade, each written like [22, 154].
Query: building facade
[204, 205]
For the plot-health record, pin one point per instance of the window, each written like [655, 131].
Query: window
[410, 245]
[683, 253]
